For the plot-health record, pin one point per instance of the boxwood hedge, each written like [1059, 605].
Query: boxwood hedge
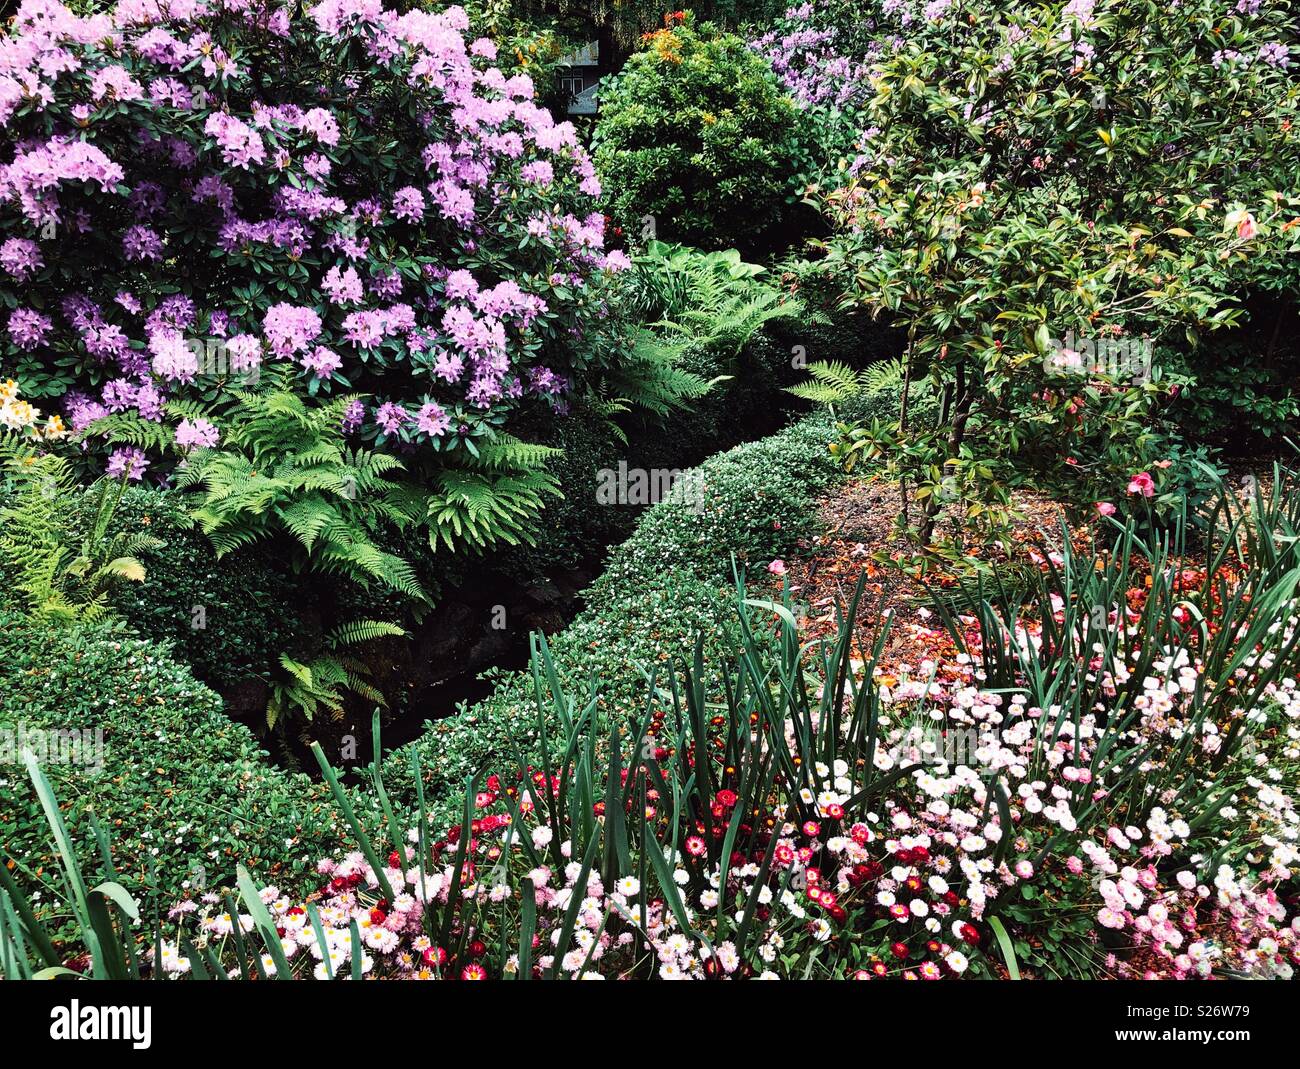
[669, 581]
[182, 788]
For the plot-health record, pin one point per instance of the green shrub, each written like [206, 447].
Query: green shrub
[180, 786]
[696, 133]
[227, 619]
[1042, 239]
[671, 580]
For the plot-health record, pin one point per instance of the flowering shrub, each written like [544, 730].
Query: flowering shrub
[823, 53]
[361, 199]
[19, 414]
[1113, 172]
[695, 133]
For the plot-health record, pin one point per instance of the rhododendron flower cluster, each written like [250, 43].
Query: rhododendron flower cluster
[17, 414]
[362, 198]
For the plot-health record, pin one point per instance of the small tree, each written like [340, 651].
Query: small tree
[1044, 182]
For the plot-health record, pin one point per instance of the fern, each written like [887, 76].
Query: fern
[834, 382]
[285, 467]
[61, 583]
[308, 687]
[689, 305]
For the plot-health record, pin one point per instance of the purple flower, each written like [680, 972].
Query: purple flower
[173, 359]
[106, 341]
[461, 284]
[448, 366]
[141, 243]
[342, 286]
[28, 329]
[390, 417]
[317, 166]
[196, 433]
[289, 328]
[432, 420]
[119, 394]
[130, 462]
[353, 416]
[386, 283]
[364, 329]
[240, 143]
[539, 172]
[322, 125]
[21, 258]
[408, 204]
[322, 362]
[82, 411]
[1275, 55]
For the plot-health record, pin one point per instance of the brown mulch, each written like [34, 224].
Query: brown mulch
[859, 521]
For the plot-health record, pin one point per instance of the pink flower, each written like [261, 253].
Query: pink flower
[196, 432]
[777, 567]
[1141, 483]
[1105, 508]
[1247, 228]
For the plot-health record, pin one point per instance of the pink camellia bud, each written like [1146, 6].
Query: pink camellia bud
[777, 567]
[1105, 508]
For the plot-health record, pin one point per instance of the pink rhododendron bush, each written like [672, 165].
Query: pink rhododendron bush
[194, 194]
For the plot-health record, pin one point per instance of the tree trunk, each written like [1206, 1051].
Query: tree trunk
[963, 396]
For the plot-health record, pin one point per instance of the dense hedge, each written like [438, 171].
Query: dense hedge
[670, 580]
[247, 601]
[181, 784]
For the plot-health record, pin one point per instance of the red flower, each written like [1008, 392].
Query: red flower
[473, 972]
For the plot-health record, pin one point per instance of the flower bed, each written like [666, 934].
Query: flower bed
[822, 820]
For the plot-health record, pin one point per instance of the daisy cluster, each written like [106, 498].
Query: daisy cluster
[906, 886]
[161, 166]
